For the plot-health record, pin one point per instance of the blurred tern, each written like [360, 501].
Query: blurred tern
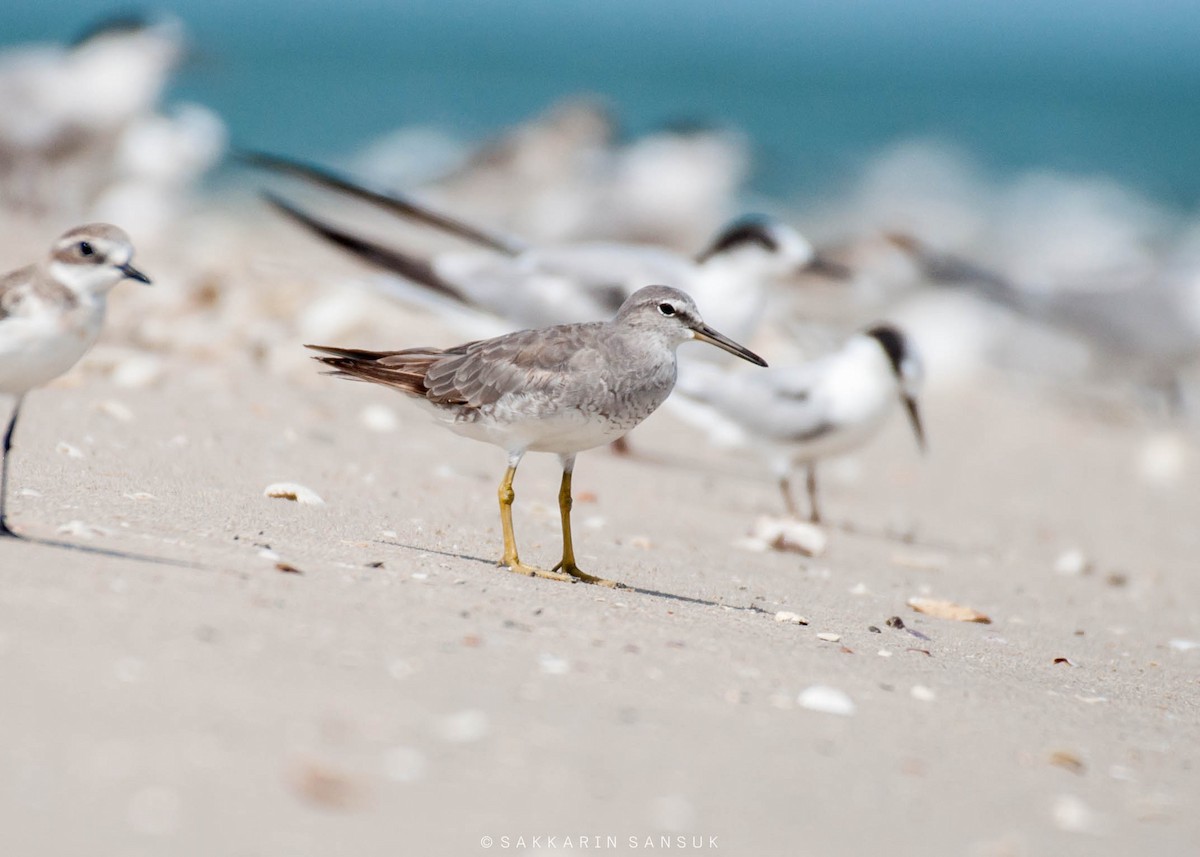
[534, 286]
[542, 177]
[560, 389]
[51, 313]
[66, 103]
[1152, 326]
[801, 414]
[567, 175]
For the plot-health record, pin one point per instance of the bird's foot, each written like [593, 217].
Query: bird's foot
[519, 567]
[584, 577]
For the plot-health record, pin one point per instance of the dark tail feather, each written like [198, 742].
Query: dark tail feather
[404, 370]
[409, 267]
[411, 381]
[392, 203]
[349, 353]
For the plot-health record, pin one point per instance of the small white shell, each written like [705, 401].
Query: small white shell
[464, 727]
[788, 534]
[827, 700]
[85, 531]
[116, 410]
[788, 616]
[138, 371]
[1072, 563]
[295, 493]
[1072, 815]
[922, 693]
[1163, 459]
[553, 664]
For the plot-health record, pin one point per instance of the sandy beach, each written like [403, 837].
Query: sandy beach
[358, 677]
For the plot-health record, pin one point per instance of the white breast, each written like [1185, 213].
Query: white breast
[43, 342]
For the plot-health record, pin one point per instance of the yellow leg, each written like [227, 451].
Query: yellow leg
[568, 559]
[511, 561]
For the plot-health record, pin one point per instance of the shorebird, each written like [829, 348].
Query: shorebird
[62, 107]
[560, 389]
[1150, 326]
[801, 414]
[569, 174]
[51, 313]
[538, 285]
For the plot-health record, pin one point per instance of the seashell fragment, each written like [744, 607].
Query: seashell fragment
[947, 610]
[294, 492]
[827, 700]
[788, 616]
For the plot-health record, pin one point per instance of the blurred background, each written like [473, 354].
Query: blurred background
[1104, 87]
[1040, 154]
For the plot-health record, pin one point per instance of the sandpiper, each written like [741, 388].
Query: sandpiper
[51, 313]
[559, 389]
[801, 414]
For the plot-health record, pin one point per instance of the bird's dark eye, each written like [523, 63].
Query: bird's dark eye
[85, 249]
[666, 309]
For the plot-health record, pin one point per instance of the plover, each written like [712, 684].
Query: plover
[559, 389]
[51, 313]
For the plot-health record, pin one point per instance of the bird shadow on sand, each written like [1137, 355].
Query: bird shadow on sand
[653, 593]
[671, 460]
[20, 538]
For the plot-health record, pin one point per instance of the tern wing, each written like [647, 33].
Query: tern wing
[393, 203]
[785, 405]
[559, 284]
[410, 267]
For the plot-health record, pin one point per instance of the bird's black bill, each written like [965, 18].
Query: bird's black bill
[914, 417]
[132, 273]
[706, 334]
[824, 267]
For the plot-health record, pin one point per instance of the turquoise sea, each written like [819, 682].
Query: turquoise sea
[1109, 87]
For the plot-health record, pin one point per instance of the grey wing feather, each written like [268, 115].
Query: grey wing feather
[14, 288]
[528, 362]
[782, 404]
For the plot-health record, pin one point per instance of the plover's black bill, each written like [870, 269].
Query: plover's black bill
[132, 273]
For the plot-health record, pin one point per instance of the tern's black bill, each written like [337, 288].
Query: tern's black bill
[824, 267]
[133, 273]
[914, 417]
[706, 334]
